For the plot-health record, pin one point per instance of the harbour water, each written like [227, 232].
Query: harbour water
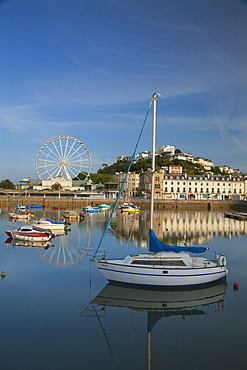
[58, 312]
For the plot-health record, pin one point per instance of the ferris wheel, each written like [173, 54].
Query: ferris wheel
[63, 156]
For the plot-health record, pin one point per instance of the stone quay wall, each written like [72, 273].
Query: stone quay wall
[159, 204]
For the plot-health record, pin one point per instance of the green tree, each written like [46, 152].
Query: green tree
[7, 184]
[101, 178]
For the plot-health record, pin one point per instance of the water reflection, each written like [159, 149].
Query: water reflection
[65, 251]
[157, 304]
[61, 250]
[28, 244]
[171, 227]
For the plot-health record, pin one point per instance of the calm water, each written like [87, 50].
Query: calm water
[57, 311]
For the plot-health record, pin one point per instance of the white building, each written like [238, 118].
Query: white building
[183, 156]
[165, 149]
[142, 155]
[203, 186]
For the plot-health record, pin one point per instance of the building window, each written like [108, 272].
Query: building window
[157, 186]
[184, 191]
[201, 190]
[172, 190]
[195, 190]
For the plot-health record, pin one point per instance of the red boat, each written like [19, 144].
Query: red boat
[30, 233]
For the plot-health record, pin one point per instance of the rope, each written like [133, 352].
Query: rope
[173, 141]
[123, 184]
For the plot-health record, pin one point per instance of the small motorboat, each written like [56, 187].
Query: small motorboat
[30, 233]
[20, 207]
[20, 216]
[104, 206]
[34, 206]
[90, 209]
[129, 208]
[47, 223]
[72, 215]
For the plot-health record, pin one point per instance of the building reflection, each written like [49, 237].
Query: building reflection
[190, 227]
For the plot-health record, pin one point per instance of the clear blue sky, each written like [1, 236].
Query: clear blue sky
[88, 69]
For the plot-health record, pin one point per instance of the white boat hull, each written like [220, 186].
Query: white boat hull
[52, 227]
[20, 216]
[30, 238]
[160, 277]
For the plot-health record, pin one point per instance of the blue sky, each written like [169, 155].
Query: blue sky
[88, 69]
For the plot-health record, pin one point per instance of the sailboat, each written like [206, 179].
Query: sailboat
[164, 265]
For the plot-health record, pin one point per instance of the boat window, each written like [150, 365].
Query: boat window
[159, 262]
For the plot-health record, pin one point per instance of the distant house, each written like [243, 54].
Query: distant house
[165, 149]
[183, 156]
[142, 155]
[228, 169]
[131, 186]
[175, 169]
[206, 163]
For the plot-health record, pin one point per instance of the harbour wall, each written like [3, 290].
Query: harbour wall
[159, 204]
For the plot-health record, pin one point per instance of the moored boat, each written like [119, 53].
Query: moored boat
[20, 207]
[73, 215]
[34, 206]
[30, 233]
[104, 206]
[129, 208]
[164, 265]
[47, 223]
[90, 209]
[20, 216]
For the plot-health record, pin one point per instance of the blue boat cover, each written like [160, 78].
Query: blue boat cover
[54, 222]
[155, 245]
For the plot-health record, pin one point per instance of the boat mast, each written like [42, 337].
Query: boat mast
[154, 97]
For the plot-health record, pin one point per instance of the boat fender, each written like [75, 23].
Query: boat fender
[222, 261]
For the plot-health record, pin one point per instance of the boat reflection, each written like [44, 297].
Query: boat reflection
[167, 302]
[157, 304]
[28, 244]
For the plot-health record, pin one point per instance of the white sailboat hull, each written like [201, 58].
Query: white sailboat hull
[160, 277]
